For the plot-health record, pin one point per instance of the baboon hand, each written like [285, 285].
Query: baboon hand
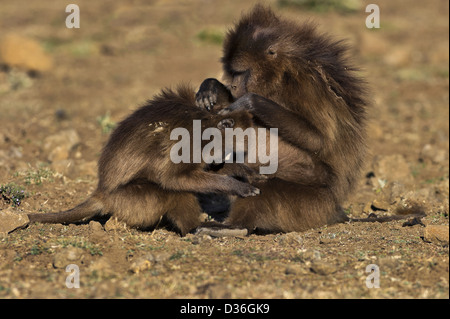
[225, 123]
[211, 94]
[206, 97]
[246, 102]
[257, 178]
[249, 191]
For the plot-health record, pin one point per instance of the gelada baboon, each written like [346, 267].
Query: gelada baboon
[139, 183]
[291, 77]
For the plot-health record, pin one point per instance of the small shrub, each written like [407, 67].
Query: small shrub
[12, 194]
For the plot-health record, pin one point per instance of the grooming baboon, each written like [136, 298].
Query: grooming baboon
[138, 182]
[290, 77]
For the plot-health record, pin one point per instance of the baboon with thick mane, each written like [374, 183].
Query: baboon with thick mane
[291, 77]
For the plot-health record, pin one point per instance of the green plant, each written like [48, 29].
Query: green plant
[211, 36]
[36, 176]
[106, 124]
[13, 194]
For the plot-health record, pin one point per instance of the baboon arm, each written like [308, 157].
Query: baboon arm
[207, 182]
[242, 171]
[291, 126]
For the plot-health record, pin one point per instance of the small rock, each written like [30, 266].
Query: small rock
[148, 261]
[199, 239]
[11, 220]
[392, 168]
[161, 257]
[378, 204]
[25, 53]
[95, 226]
[142, 264]
[214, 290]
[96, 232]
[68, 255]
[308, 255]
[394, 191]
[434, 154]
[322, 268]
[436, 234]
[292, 238]
[367, 208]
[294, 270]
[102, 268]
[59, 145]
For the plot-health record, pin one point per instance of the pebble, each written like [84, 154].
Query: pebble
[434, 154]
[11, 220]
[147, 262]
[23, 52]
[322, 268]
[59, 145]
[291, 239]
[392, 168]
[96, 232]
[68, 255]
[102, 268]
[378, 204]
[436, 234]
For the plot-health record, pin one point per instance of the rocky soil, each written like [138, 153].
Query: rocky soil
[62, 90]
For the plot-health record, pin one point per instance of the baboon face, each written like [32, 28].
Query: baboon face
[282, 60]
[257, 53]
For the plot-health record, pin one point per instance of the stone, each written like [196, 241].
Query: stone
[68, 255]
[59, 145]
[11, 220]
[102, 268]
[392, 168]
[436, 234]
[148, 261]
[290, 239]
[322, 268]
[96, 232]
[379, 204]
[24, 53]
[142, 264]
[434, 154]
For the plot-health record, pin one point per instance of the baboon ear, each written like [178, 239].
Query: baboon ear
[225, 123]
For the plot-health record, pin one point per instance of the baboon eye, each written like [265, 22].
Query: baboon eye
[272, 52]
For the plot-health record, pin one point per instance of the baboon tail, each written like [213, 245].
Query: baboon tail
[82, 212]
[384, 219]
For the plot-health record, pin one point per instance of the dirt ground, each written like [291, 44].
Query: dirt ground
[54, 122]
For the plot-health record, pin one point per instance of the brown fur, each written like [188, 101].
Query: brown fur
[289, 76]
[138, 182]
